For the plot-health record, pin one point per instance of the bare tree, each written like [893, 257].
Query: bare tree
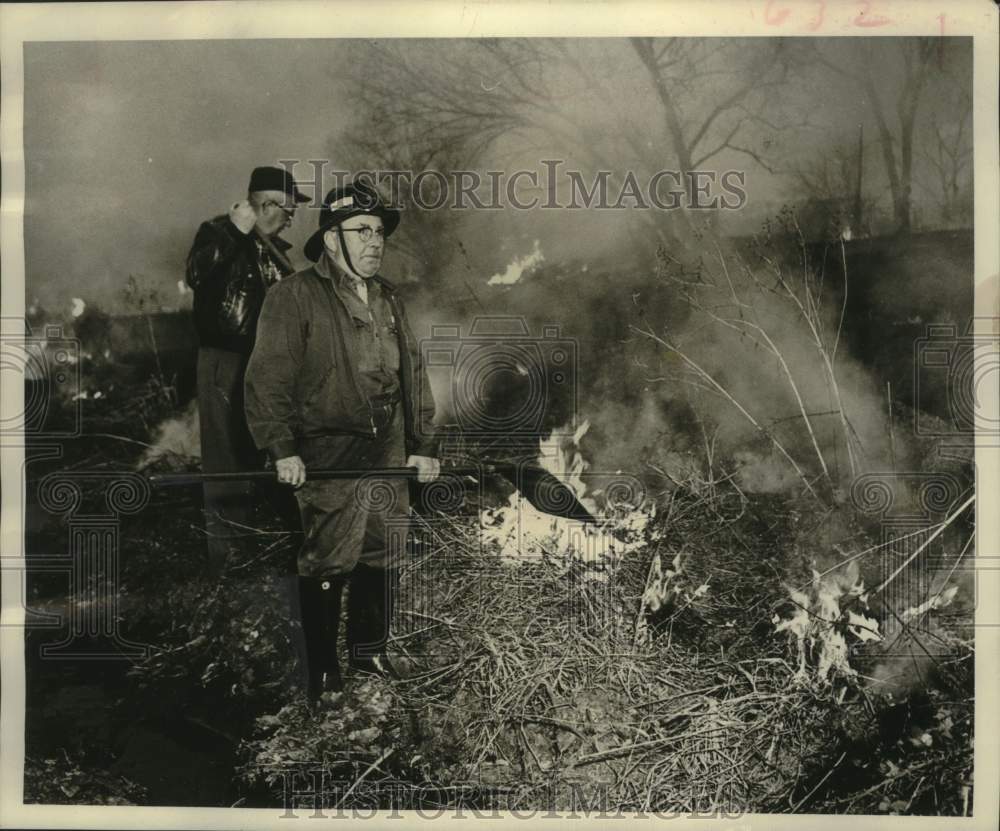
[893, 75]
[451, 106]
[946, 157]
[385, 146]
[737, 79]
[441, 111]
[830, 176]
[832, 183]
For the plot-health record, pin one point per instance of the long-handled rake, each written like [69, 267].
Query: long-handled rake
[543, 490]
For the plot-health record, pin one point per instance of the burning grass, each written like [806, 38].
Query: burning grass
[692, 652]
[542, 678]
[656, 676]
[663, 681]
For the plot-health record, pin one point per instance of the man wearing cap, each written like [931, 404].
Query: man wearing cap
[235, 258]
[336, 381]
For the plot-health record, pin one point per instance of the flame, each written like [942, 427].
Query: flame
[818, 619]
[660, 584]
[937, 601]
[564, 460]
[78, 307]
[517, 267]
[666, 587]
[523, 532]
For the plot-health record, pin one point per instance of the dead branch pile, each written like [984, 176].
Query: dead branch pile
[548, 680]
[675, 681]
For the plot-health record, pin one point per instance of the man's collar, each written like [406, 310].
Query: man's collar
[276, 241]
[327, 268]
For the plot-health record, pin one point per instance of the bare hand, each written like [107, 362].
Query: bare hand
[243, 216]
[428, 469]
[291, 471]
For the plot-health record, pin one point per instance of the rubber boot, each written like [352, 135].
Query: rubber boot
[320, 600]
[370, 604]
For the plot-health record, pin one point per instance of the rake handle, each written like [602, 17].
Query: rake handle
[180, 479]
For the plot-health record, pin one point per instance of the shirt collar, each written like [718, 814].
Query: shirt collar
[281, 244]
[326, 267]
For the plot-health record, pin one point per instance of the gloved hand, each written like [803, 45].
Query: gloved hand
[243, 216]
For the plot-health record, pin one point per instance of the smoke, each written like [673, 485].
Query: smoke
[760, 473]
[177, 441]
[776, 386]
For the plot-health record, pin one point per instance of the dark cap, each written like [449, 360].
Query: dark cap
[344, 202]
[275, 178]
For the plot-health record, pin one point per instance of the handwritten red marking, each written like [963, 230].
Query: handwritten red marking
[775, 18]
[941, 43]
[868, 20]
[817, 21]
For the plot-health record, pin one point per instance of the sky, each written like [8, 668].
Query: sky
[129, 146]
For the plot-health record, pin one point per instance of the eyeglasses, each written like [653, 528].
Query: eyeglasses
[367, 232]
[288, 212]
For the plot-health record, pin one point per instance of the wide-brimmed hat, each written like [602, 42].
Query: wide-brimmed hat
[276, 179]
[343, 203]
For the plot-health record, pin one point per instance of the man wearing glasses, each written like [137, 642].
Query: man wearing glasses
[336, 381]
[234, 260]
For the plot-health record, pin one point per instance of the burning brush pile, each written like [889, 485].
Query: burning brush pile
[654, 659]
[558, 655]
[721, 634]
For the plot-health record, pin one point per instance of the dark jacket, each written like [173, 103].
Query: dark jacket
[302, 379]
[225, 269]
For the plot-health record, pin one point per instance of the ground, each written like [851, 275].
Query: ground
[545, 682]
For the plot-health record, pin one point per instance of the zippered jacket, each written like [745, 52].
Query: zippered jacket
[225, 270]
[302, 380]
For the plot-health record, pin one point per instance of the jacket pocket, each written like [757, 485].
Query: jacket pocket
[315, 392]
[333, 407]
